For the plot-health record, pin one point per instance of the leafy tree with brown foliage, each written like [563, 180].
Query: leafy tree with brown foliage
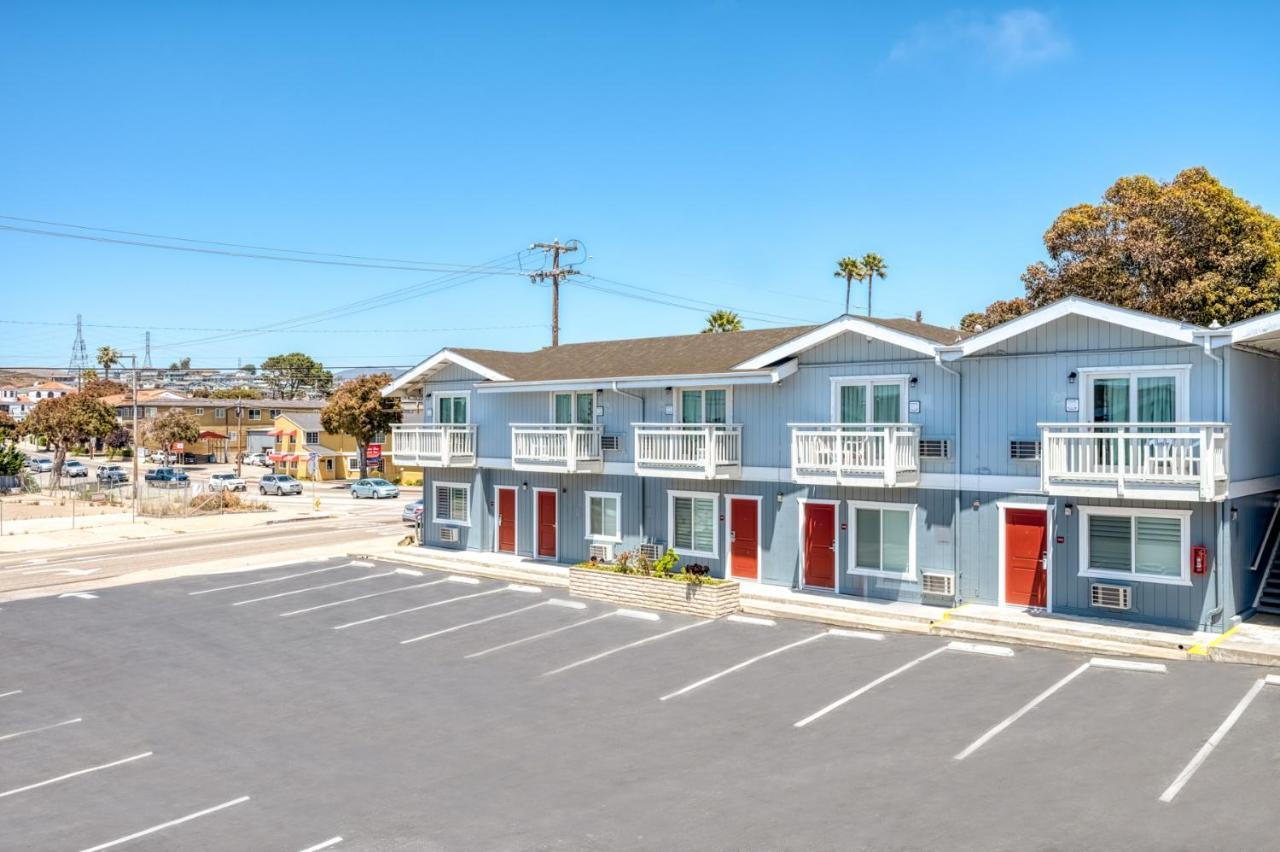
[7, 424]
[68, 421]
[358, 408]
[1001, 310]
[1190, 249]
[171, 427]
[105, 387]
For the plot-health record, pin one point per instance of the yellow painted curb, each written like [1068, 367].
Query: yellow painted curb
[947, 613]
[1202, 650]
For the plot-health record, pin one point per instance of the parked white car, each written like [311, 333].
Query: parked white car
[75, 469]
[227, 482]
[257, 459]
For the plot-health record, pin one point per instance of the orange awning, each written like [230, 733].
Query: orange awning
[211, 436]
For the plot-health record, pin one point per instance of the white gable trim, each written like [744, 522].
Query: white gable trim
[833, 329]
[442, 358]
[1074, 306]
[1246, 330]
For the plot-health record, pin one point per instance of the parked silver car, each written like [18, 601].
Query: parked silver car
[412, 512]
[40, 464]
[75, 469]
[278, 484]
[375, 488]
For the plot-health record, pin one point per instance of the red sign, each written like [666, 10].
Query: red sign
[176, 446]
[373, 451]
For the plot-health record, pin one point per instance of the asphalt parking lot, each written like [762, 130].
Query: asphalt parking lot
[344, 705]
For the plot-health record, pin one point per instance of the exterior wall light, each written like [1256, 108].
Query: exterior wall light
[1071, 377]
[915, 380]
[780, 498]
[1068, 509]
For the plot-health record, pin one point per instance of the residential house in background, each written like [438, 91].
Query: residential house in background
[299, 434]
[1081, 459]
[19, 400]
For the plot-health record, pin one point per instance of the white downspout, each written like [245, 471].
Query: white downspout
[643, 503]
[955, 512]
[1224, 530]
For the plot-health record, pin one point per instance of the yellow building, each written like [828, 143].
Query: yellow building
[299, 434]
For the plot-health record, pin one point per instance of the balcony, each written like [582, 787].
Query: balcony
[427, 445]
[1140, 461]
[880, 455]
[556, 448]
[689, 450]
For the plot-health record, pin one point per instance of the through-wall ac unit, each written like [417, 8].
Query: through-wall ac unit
[602, 552]
[1110, 596]
[612, 443]
[1024, 449]
[449, 534]
[652, 549]
[943, 585]
[935, 448]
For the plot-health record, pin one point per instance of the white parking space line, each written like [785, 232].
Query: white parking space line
[1205, 750]
[625, 647]
[751, 619]
[742, 665]
[11, 692]
[418, 608]
[268, 580]
[361, 598]
[17, 734]
[856, 634]
[544, 634]
[478, 621]
[316, 588]
[78, 772]
[840, 702]
[162, 826]
[1024, 710]
[410, 572]
[328, 844]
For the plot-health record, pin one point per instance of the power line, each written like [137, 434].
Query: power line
[300, 331]
[555, 248]
[685, 303]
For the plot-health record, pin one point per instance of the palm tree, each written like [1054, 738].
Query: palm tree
[873, 266]
[108, 357]
[849, 268]
[722, 320]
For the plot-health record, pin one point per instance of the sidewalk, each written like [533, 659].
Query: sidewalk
[1256, 642]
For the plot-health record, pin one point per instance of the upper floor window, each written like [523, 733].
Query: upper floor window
[273, 413]
[199, 412]
[152, 411]
[313, 437]
[702, 405]
[255, 413]
[220, 412]
[452, 408]
[573, 408]
[1135, 394]
[869, 400]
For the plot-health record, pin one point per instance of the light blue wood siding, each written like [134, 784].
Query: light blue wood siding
[1254, 390]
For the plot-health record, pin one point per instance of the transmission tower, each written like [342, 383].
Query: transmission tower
[79, 353]
[555, 248]
[146, 359]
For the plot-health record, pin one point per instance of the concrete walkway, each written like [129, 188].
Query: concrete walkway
[1249, 643]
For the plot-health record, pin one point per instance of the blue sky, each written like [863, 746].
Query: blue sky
[726, 152]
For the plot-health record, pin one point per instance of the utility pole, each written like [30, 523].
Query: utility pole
[555, 248]
[133, 368]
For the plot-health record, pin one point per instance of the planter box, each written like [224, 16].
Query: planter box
[634, 590]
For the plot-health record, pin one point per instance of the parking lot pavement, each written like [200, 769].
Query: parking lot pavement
[356, 705]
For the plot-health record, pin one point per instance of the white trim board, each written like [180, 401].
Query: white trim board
[715, 523]
[586, 520]
[770, 376]
[912, 510]
[833, 329]
[1184, 544]
[441, 359]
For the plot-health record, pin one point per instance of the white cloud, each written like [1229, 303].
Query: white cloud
[1009, 40]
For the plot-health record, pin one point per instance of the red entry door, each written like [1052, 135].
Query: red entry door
[547, 524]
[820, 545]
[506, 520]
[744, 540]
[1025, 542]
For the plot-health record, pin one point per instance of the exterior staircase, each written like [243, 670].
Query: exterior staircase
[1268, 598]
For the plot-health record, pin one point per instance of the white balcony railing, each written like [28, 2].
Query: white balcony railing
[879, 454]
[556, 447]
[688, 450]
[428, 445]
[1174, 461]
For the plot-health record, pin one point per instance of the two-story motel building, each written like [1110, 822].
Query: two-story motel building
[1083, 458]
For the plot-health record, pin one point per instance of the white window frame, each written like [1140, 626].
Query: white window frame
[434, 408]
[199, 412]
[255, 414]
[152, 411]
[913, 511]
[714, 553]
[1184, 555]
[903, 381]
[677, 413]
[353, 464]
[1181, 374]
[308, 439]
[449, 522]
[573, 395]
[273, 413]
[220, 412]
[586, 505]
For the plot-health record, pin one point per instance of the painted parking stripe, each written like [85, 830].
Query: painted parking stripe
[1022, 711]
[980, 648]
[856, 634]
[740, 666]
[751, 619]
[361, 598]
[640, 614]
[417, 608]
[17, 734]
[315, 588]
[11, 692]
[544, 634]
[840, 702]
[478, 621]
[269, 580]
[162, 826]
[328, 844]
[1205, 750]
[75, 774]
[627, 646]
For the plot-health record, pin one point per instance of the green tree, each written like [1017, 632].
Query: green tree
[171, 427]
[1190, 249]
[358, 408]
[722, 320]
[184, 364]
[850, 269]
[108, 357]
[873, 267]
[251, 369]
[292, 375]
[242, 392]
[68, 421]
